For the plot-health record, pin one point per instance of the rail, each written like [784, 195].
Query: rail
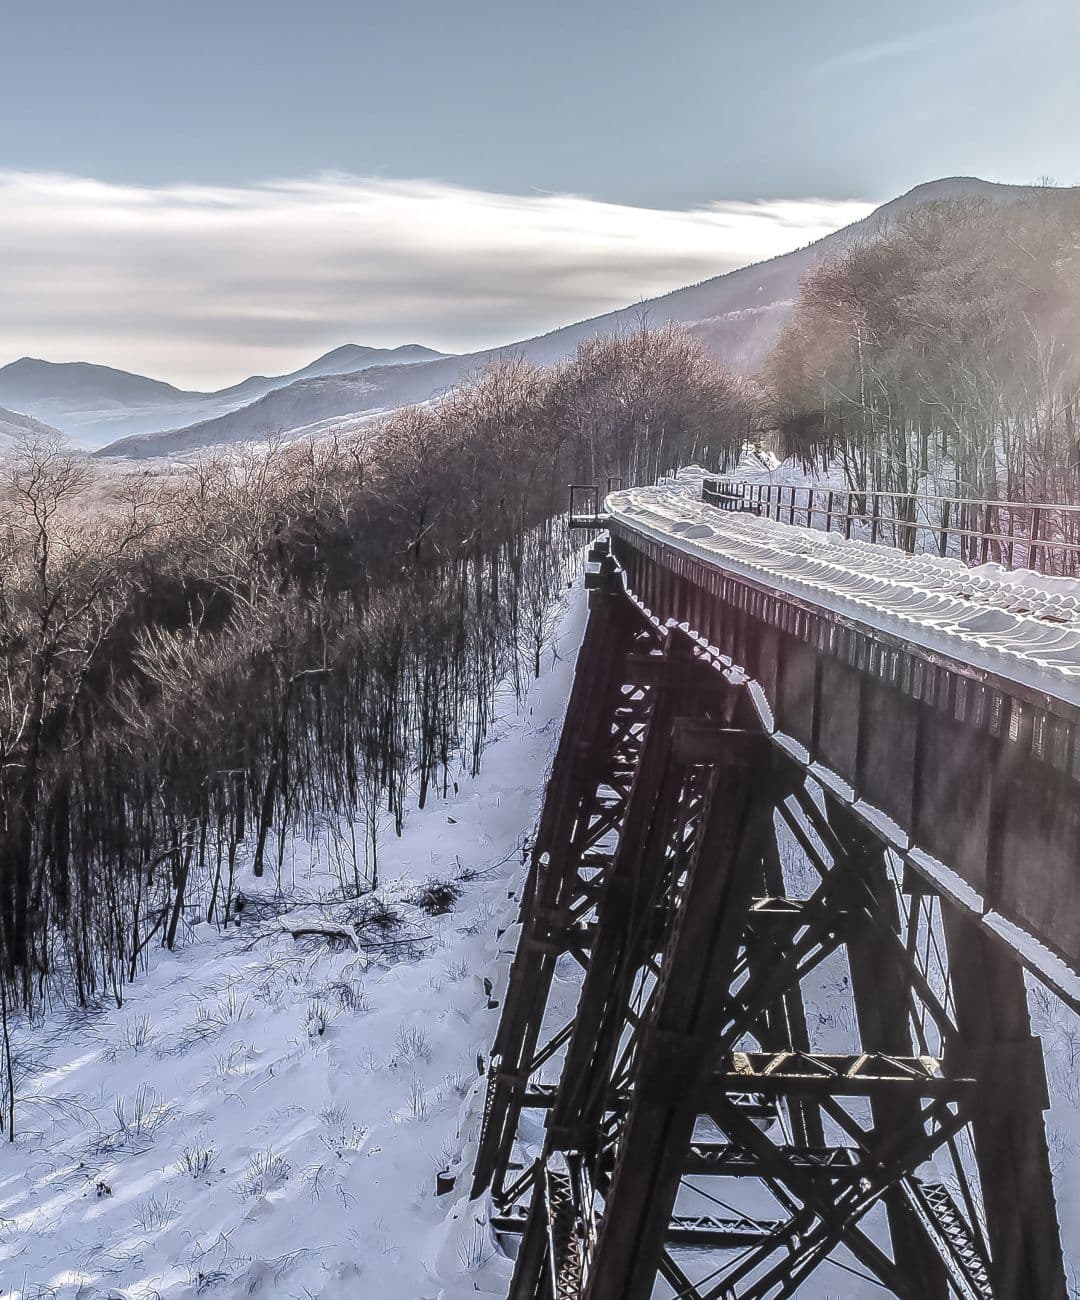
[1039, 535]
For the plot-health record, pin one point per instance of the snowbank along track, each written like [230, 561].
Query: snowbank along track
[754, 800]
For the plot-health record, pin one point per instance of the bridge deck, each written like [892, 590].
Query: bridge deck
[1021, 627]
[941, 702]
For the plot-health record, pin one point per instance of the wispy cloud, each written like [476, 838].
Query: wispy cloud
[918, 42]
[973, 36]
[202, 284]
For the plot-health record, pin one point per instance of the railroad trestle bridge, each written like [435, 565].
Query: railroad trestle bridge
[804, 866]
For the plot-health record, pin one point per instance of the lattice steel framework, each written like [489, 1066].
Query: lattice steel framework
[709, 1132]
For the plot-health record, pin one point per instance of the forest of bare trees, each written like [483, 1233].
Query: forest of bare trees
[943, 357]
[195, 664]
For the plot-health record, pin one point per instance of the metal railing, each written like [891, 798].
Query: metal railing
[1039, 535]
[586, 503]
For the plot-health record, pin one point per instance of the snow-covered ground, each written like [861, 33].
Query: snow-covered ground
[266, 1115]
[1020, 625]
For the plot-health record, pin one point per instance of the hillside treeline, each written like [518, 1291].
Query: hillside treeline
[943, 356]
[193, 666]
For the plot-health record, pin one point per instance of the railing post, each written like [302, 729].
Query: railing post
[911, 527]
[849, 516]
[875, 515]
[1033, 549]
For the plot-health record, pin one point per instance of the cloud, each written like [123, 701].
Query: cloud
[913, 43]
[203, 284]
[962, 40]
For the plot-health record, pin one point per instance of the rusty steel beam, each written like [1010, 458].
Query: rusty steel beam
[861, 1074]
[673, 1060]
[881, 989]
[1010, 1135]
[597, 742]
[625, 919]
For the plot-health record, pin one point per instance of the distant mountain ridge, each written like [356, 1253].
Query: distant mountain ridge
[94, 403]
[14, 426]
[736, 315]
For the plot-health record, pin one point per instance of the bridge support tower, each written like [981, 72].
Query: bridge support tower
[740, 1042]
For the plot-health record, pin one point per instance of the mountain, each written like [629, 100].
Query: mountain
[346, 360]
[14, 426]
[95, 404]
[306, 402]
[737, 316]
[29, 382]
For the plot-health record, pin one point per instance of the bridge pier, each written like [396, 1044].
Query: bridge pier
[881, 988]
[1010, 1135]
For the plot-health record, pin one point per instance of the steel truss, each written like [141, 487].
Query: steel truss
[707, 1136]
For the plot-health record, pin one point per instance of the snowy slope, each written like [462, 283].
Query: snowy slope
[266, 1116]
[1021, 625]
[15, 426]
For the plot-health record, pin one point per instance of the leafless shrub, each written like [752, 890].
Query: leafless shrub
[196, 1161]
[266, 1172]
[154, 1213]
[318, 1018]
[136, 1033]
[377, 916]
[335, 1116]
[418, 1104]
[137, 1122]
[412, 1045]
[476, 1249]
[437, 897]
[346, 995]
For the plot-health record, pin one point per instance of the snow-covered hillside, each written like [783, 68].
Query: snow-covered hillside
[15, 426]
[266, 1115]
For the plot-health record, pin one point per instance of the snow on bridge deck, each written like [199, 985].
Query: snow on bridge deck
[1021, 626]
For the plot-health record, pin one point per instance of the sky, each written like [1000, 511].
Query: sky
[209, 189]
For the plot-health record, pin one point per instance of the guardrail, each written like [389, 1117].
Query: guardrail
[1039, 535]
